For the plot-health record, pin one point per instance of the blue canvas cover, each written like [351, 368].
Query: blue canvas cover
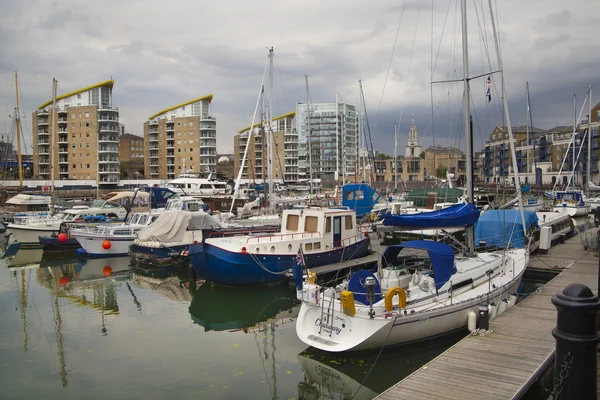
[359, 197]
[453, 216]
[499, 227]
[441, 255]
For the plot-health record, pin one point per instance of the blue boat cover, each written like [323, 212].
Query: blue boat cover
[356, 285]
[500, 227]
[457, 215]
[359, 197]
[441, 255]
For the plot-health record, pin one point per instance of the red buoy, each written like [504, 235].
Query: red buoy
[62, 237]
[64, 280]
[106, 244]
[107, 270]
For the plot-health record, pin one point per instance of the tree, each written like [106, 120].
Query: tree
[441, 172]
[422, 155]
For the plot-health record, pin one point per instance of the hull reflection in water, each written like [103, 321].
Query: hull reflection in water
[25, 257]
[226, 308]
[360, 375]
[167, 280]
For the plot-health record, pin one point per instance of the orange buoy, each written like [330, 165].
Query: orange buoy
[62, 237]
[106, 244]
[107, 270]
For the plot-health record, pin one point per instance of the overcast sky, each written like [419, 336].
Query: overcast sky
[164, 53]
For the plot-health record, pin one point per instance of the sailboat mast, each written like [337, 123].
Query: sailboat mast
[310, 176]
[18, 127]
[530, 119]
[589, 143]
[574, 135]
[270, 129]
[53, 138]
[395, 155]
[467, 122]
[527, 128]
[337, 135]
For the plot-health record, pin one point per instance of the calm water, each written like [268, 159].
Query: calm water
[101, 328]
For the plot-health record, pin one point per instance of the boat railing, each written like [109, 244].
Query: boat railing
[349, 240]
[283, 236]
[243, 232]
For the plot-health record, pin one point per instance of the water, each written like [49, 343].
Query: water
[101, 328]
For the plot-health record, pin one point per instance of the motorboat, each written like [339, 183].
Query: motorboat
[410, 298]
[325, 236]
[571, 202]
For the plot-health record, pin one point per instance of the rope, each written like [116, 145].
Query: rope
[481, 332]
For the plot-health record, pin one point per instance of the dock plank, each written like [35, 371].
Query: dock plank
[503, 362]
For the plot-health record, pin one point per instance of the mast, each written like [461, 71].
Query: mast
[337, 135]
[18, 126]
[53, 138]
[574, 135]
[530, 119]
[467, 122]
[508, 124]
[270, 130]
[589, 143]
[527, 128]
[395, 155]
[310, 176]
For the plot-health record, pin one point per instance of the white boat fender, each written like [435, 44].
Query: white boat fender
[472, 321]
[512, 300]
[503, 306]
[492, 310]
[416, 279]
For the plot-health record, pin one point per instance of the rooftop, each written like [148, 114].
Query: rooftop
[205, 98]
[108, 84]
[288, 115]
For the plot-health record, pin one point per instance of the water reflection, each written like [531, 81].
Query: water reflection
[169, 281]
[224, 309]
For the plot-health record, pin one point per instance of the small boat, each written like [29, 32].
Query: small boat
[326, 236]
[412, 297]
[110, 239]
[452, 216]
[571, 202]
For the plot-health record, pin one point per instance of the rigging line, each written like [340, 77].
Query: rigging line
[282, 85]
[409, 66]
[387, 74]
[437, 55]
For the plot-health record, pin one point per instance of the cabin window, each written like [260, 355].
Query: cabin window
[360, 195]
[328, 225]
[292, 222]
[308, 246]
[350, 195]
[310, 224]
[317, 246]
[348, 222]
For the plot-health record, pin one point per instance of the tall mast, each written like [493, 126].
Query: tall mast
[310, 175]
[467, 122]
[270, 130]
[527, 128]
[53, 138]
[574, 135]
[530, 119]
[337, 135]
[589, 143]
[395, 155]
[18, 126]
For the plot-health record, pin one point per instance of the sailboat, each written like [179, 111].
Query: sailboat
[420, 289]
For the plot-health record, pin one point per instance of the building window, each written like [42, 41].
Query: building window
[73, 126]
[191, 125]
[87, 124]
[74, 165]
[87, 114]
[88, 166]
[72, 115]
[78, 95]
[87, 134]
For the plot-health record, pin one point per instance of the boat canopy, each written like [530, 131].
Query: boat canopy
[359, 197]
[453, 216]
[574, 197]
[503, 228]
[171, 225]
[440, 254]
[438, 195]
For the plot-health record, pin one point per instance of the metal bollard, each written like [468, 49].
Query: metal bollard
[576, 340]
[484, 317]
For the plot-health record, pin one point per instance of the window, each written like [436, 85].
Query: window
[310, 224]
[190, 125]
[73, 135]
[87, 134]
[74, 165]
[191, 149]
[78, 95]
[292, 222]
[348, 222]
[308, 246]
[191, 141]
[87, 114]
[73, 126]
[72, 115]
[87, 124]
[88, 166]
[328, 225]
[191, 158]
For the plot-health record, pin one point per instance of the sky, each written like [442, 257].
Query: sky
[164, 53]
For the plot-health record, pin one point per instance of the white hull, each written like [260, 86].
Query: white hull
[325, 327]
[93, 244]
[572, 210]
[28, 235]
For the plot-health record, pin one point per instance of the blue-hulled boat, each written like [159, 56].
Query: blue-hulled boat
[326, 236]
[457, 215]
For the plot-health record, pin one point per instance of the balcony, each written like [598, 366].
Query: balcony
[108, 171]
[63, 160]
[103, 149]
[43, 133]
[43, 142]
[62, 120]
[109, 128]
[153, 122]
[64, 171]
[63, 150]
[43, 122]
[108, 160]
[108, 108]
[108, 139]
[62, 140]
[153, 139]
[44, 161]
[61, 111]
[42, 113]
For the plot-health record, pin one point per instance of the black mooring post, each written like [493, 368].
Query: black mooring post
[576, 340]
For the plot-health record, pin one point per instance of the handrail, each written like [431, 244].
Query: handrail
[364, 234]
[301, 235]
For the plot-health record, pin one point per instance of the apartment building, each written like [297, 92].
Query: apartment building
[131, 156]
[328, 140]
[79, 138]
[181, 138]
[284, 150]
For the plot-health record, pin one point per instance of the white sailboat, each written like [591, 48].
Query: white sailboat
[427, 293]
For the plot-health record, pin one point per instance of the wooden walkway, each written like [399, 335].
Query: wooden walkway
[504, 363]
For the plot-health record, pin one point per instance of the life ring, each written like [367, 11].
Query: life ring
[373, 216]
[389, 295]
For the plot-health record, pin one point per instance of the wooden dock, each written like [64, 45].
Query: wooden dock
[504, 363]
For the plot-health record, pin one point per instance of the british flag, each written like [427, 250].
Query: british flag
[298, 270]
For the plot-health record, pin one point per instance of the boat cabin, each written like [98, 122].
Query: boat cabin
[574, 198]
[141, 200]
[195, 186]
[335, 226]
